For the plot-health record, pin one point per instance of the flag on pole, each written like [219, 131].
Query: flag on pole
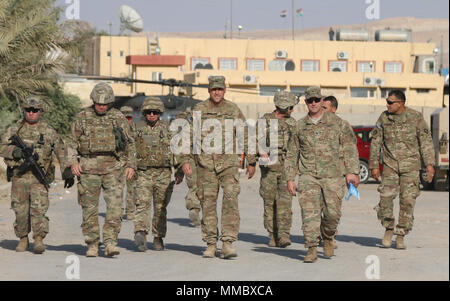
[299, 12]
[283, 13]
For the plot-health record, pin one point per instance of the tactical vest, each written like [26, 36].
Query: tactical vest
[98, 136]
[153, 148]
[283, 139]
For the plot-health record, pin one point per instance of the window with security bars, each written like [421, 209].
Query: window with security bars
[393, 67]
[227, 64]
[338, 66]
[310, 65]
[362, 92]
[196, 61]
[366, 66]
[255, 65]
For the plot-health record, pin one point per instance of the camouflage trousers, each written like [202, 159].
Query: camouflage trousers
[209, 182]
[153, 184]
[130, 197]
[321, 202]
[192, 201]
[391, 184]
[89, 188]
[277, 202]
[29, 200]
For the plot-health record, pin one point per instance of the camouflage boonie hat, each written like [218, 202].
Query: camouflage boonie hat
[102, 94]
[313, 92]
[127, 111]
[152, 103]
[34, 101]
[216, 82]
[284, 99]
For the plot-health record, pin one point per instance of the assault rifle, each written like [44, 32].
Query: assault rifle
[30, 161]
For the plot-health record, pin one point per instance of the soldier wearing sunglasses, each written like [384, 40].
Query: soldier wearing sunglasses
[405, 139]
[315, 146]
[29, 196]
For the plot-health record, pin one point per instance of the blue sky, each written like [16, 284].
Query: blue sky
[212, 15]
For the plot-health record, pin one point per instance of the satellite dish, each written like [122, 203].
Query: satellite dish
[290, 66]
[199, 66]
[208, 66]
[130, 19]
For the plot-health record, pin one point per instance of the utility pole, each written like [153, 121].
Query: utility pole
[293, 20]
[231, 19]
[110, 49]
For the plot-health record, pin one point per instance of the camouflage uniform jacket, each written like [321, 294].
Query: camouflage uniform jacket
[92, 139]
[153, 146]
[44, 139]
[219, 162]
[318, 145]
[403, 139]
[286, 127]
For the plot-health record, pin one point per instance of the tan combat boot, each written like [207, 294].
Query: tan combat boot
[387, 238]
[111, 250]
[311, 256]
[399, 242]
[194, 216]
[273, 240]
[140, 240]
[227, 250]
[92, 250]
[328, 248]
[158, 244]
[333, 242]
[210, 251]
[284, 241]
[39, 247]
[23, 244]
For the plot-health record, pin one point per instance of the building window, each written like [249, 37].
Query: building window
[337, 66]
[393, 67]
[270, 90]
[429, 65]
[122, 54]
[423, 91]
[157, 76]
[365, 66]
[362, 93]
[227, 64]
[385, 91]
[310, 65]
[199, 63]
[299, 90]
[108, 53]
[256, 64]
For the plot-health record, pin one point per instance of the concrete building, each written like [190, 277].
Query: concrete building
[359, 73]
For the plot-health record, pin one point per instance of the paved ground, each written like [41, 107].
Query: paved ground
[427, 256]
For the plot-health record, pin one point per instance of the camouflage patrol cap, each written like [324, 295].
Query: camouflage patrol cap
[127, 111]
[284, 99]
[313, 92]
[34, 101]
[102, 94]
[216, 82]
[152, 103]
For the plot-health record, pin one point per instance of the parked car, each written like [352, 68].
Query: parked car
[363, 143]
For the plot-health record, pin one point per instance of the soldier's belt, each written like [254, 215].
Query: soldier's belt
[94, 155]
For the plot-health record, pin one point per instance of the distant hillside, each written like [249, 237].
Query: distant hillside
[422, 31]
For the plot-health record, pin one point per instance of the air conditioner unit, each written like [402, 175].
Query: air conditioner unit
[281, 54]
[370, 81]
[249, 79]
[342, 55]
[380, 82]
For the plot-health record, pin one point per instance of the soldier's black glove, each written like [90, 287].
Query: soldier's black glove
[17, 153]
[68, 177]
[121, 140]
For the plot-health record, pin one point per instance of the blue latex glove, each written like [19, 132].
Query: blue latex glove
[352, 191]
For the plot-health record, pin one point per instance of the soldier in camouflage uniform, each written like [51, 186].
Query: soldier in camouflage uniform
[218, 170]
[404, 138]
[316, 143]
[192, 201]
[155, 161]
[29, 197]
[100, 147]
[131, 185]
[273, 186]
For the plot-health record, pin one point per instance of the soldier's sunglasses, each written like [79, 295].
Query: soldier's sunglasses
[152, 112]
[391, 102]
[34, 110]
[314, 99]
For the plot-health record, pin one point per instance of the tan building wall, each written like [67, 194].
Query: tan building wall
[421, 89]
